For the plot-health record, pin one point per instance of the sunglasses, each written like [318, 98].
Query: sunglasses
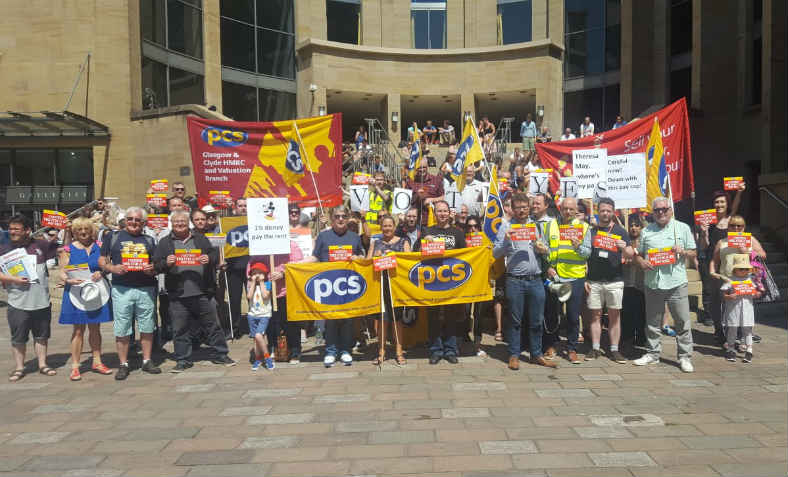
[179, 188]
[475, 226]
[662, 210]
[340, 216]
[295, 211]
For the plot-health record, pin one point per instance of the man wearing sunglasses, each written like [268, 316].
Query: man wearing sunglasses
[666, 283]
[179, 191]
[133, 289]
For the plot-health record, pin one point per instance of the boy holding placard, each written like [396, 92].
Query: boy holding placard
[739, 310]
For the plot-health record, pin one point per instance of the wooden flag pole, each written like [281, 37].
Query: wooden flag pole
[273, 283]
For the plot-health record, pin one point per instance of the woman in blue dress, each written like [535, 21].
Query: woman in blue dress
[85, 301]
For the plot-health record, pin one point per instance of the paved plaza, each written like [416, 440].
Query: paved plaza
[471, 419]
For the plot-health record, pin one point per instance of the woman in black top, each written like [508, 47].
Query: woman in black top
[387, 243]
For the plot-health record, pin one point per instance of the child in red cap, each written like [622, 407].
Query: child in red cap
[258, 291]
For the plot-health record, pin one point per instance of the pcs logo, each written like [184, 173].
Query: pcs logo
[440, 274]
[223, 137]
[335, 287]
[239, 237]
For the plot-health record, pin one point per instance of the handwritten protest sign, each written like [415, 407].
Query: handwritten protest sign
[626, 180]
[590, 169]
[269, 226]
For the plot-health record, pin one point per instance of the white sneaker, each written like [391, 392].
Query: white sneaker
[686, 365]
[329, 360]
[646, 359]
[346, 359]
[481, 353]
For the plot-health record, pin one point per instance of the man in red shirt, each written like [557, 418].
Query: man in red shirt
[427, 188]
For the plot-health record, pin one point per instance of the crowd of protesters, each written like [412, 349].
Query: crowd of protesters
[555, 295]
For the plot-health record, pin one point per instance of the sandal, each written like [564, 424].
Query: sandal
[401, 361]
[47, 371]
[379, 360]
[16, 375]
[101, 368]
[499, 336]
[75, 376]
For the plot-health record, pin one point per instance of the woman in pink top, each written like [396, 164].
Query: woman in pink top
[279, 324]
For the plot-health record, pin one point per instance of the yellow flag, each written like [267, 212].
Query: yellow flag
[657, 178]
[415, 154]
[431, 216]
[469, 152]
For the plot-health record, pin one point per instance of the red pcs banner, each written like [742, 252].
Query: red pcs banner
[269, 159]
[632, 138]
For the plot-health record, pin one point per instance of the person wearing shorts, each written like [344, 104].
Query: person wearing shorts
[29, 307]
[127, 254]
[605, 278]
[258, 290]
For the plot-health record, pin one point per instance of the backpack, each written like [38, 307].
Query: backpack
[764, 279]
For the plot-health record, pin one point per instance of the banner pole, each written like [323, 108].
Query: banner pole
[227, 288]
[382, 335]
[393, 314]
[308, 162]
[484, 158]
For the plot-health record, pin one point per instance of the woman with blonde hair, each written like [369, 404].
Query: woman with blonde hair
[86, 294]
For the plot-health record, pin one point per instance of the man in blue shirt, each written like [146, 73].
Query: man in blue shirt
[528, 132]
[339, 333]
[523, 284]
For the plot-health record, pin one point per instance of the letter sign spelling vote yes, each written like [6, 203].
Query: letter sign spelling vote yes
[359, 198]
[400, 200]
[269, 227]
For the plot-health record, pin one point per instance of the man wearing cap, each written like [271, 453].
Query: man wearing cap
[339, 333]
[666, 284]
[191, 289]
[29, 307]
[211, 219]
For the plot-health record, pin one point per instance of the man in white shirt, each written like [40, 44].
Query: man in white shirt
[586, 127]
[567, 135]
[446, 133]
[471, 194]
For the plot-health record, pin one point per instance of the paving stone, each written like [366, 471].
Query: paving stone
[431, 449]
[194, 388]
[666, 431]
[327, 376]
[465, 412]
[733, 428]
[398, 465]
[63, 463]
[777, 388]
[646, 444]
[700, 470]
[290, 469]
[200, 375]
[632, 420]
[673, 457]
[9, 463]
[521, 433]
[130, 447]
[229, 470]
[562, 393]
[592, 472]
[64, 408]
[369, 451]
[601, 377]
[93, 473]
[341, 398]
[507, 447]
[271, 393]
[551, 461]
[691, 383]
[549, 446]
[366, 426]
[401, 437]
[10, 387]
[621, 459]
[245, 411]
[39, 438]
[719, 442]
[475, 387]
[751, 469]
[297, 429]
[602, 432]
[281, 419]
[761, 454]
[473, 463]
[234, 456]
[292, 454]
[456, 435]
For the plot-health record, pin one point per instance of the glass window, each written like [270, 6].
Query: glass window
[757, 74]
[152, 21]
[428, 24]
[34, 167]
[680, 27]
[613, 48]
[276, 105]
[612, 12]
[275, 14]
[583, 15]
[612, 107]
[681, 84]
[186, 87]
[239, 101]
[154, 84]
[237, 45]
[5, 167]
[184, 28]
[238, 10]
[343, 18]
[75, 167]
[275, 53]
[515, 21]
[584, 53]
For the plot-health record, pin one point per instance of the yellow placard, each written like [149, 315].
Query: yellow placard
[331, 290]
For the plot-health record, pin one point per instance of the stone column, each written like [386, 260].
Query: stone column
[212, 53]
[392, 105]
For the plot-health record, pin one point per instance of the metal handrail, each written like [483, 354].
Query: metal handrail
[383, 146]
[774, 196]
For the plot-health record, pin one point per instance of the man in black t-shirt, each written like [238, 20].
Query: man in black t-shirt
[605, 280]
[126, 254]
[443, 320]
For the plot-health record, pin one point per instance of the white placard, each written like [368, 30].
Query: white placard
[626, 180]
[590, 169]
[539, 183]
[453, 197]
[269, 228]
[359, 198]
[401, 200]
[568, 187]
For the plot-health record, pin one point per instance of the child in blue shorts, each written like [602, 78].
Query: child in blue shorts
[258, 290]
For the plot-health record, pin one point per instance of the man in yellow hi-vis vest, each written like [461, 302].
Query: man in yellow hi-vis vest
[568, 264]
[379, 197]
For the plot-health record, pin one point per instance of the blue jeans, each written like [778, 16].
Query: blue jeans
[442, 330]
[339, 336]
[573, 308]
[521, 293]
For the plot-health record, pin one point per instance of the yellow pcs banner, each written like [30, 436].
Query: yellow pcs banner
[457, 276]
[237, 236]
[331, 290]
